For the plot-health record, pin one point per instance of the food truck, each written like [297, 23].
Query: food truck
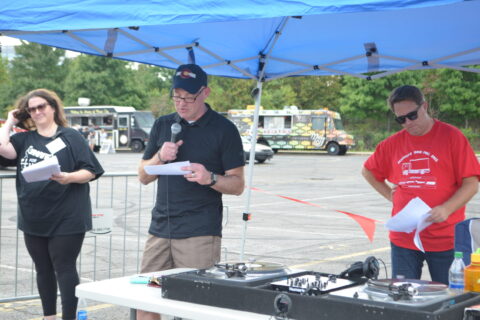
[126, 128]
[295, 129]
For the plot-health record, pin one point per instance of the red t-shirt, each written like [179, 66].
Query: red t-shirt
[431, 167]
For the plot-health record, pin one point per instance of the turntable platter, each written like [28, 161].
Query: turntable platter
[418, 287]
[244, 273]
[398, 291]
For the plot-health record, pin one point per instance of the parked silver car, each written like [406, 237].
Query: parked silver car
[262, 152]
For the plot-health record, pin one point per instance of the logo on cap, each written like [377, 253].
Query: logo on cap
[186, 74]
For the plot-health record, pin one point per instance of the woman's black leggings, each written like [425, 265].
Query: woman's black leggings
[55, 260]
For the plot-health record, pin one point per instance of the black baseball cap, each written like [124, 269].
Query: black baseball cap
[189, 77]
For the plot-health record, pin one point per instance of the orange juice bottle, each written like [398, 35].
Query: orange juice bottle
[472, 273]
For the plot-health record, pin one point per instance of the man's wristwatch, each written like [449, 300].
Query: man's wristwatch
[213, 177]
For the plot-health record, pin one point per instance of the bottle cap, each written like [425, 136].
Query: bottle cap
[82, 315]
[475, 256]
[458, 254]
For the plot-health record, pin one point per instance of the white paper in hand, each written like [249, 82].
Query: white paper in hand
[412, 217]
[42, 170]
[407, 219]
[169, 169]
[422, 224]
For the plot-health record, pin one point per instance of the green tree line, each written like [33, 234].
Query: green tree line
[453, 95]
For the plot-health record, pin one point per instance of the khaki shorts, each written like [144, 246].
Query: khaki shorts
[196, 252]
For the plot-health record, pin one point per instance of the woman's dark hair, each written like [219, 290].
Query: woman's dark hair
[24, 119]
[403, 93]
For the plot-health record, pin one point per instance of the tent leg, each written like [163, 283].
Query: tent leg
[251, 162]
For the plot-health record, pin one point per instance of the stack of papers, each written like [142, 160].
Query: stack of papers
[42, 170]
[412, 217]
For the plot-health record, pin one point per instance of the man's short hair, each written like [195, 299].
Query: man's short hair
[189, 77]
[404, 93]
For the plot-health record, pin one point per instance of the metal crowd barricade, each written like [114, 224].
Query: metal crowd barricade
[107, 252]
[111, 254]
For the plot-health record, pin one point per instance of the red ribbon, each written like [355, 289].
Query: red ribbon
[367, 224]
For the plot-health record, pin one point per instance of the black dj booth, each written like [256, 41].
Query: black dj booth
[306, 295]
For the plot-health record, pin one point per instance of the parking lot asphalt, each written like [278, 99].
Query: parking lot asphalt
[303, 209]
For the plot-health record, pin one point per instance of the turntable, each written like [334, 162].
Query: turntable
[228, 274]
[225, 285]
[398, 291]
[243, 273]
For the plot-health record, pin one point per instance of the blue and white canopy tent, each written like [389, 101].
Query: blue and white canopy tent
[260, 40]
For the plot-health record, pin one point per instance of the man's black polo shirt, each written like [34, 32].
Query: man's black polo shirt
[187, 209]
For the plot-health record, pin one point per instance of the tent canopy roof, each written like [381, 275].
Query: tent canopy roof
[259, 40]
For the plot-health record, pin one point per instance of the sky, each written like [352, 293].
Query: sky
[8, 41]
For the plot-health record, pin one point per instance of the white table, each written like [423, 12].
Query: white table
[120, 291]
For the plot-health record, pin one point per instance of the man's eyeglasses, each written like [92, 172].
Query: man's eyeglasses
[40, 108]
[411, 116]
[187, 99]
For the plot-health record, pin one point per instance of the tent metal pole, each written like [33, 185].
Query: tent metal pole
[251, 163]
[263, 60]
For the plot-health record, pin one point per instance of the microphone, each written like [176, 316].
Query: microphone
[175, 128]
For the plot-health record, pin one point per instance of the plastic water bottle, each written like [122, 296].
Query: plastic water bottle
[456, 274]
[82, 309]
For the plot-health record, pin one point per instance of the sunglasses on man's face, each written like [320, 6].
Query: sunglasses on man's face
[411, 116]
[40, 108]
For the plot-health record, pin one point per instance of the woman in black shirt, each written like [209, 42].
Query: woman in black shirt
[54, 214]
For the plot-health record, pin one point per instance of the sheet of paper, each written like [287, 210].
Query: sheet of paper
[422, 224]
[169, 169]
[412, 217]
[42, 170]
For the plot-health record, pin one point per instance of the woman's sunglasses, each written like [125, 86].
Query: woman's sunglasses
[411, 116]
[40, 108]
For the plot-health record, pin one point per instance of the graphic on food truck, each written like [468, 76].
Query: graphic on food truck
[295, 129]
[123, 127]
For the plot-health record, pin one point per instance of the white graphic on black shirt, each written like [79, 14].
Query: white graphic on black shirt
[416, 170]
[33, 156]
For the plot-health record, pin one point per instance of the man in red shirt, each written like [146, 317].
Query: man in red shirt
[431, 160]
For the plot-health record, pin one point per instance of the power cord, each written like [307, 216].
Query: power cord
[385, 267]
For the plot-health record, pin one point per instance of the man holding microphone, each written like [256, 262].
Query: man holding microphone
[186, 226]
